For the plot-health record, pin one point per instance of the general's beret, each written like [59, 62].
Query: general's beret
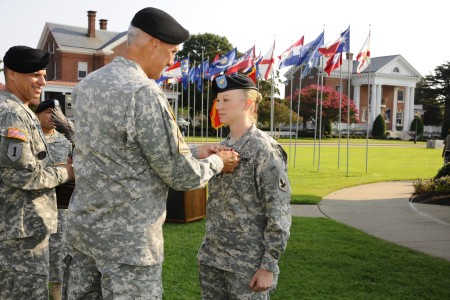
[46, 104]
[224, 83]
[161, 25]
[23, 59]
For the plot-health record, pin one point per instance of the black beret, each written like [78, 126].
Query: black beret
[23, 59]
[46, 104]
[224, 83]
[161, 25]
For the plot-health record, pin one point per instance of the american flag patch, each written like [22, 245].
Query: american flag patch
[17, 133]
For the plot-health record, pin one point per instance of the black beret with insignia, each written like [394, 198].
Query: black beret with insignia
[224, 83]
[23, 59]
[161, 25]
[46, 104]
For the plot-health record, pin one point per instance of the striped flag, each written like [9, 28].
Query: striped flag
[214, 115]
[363, 56]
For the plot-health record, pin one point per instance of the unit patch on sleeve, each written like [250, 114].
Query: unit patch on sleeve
[282, 184]
[16, 133]
[15, 151]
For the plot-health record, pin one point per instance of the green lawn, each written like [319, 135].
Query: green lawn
[323, 260]
[385, 163]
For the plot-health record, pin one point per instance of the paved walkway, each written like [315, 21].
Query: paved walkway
[383, 210]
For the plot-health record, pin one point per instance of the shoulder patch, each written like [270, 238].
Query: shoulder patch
[15, 151]
[282, 184]
[16, 133]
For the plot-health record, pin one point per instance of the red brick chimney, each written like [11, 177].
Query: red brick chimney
[103, 24]
[91, 24]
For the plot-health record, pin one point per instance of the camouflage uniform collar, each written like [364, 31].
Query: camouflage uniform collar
[129, 63]
[243, 139]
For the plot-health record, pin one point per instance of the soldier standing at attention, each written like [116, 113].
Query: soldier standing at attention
[59, 149]
[128, 152]
[248, 214]
[27, 179]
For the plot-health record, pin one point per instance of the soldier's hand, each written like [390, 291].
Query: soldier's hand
[69, 169]
[62, 124]
[209, 149]
[261, 280]
[230, 160]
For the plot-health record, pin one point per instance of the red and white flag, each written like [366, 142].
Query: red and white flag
[245, 61]
[333, 63]
[173, 71]
[266, 64]
[363, 56]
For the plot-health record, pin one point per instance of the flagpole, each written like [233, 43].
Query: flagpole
[207, 106]
[272, 105]
[189, 102]
[298, 112]
[203, 83]
[194, 122]
[350, 65]
[320, 114]
[340, 117]
[315, 119]
[368, 120]
[290, 115]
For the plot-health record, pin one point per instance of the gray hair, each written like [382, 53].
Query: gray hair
[137, 36]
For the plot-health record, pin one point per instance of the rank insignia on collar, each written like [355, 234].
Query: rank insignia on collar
[282, 184]
[245, 159]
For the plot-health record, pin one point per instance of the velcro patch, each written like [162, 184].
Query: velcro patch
[16, 133]
[15, 151]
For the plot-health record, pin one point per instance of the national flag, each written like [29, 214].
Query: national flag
[223, 63]
[310, 55]
[245, 61]
[363, 56]
[266, 64]
[251, 72]
[291, 55]
[214, 115]
[188, 78]
[216, 58]
[341, 44]
[173, 71]
[16, 133]
[202, 69]
[333, 62]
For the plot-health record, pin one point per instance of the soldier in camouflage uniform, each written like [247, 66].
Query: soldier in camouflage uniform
[59, 149]
[128, 152]
[27, 180]
[248, 212]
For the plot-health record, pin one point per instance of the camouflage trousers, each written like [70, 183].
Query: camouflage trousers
[24, 268]
[56, 248]
[218, 284]
[86, 278]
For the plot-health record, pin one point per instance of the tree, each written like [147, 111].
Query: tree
[379, 127]
[432, 103]
[211, 44]
[282, 113]
[330, 104]
[417, 122]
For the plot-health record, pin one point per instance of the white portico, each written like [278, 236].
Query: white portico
[392, 85]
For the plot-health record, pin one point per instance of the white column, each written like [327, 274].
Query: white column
[394, 110]
[378, 99]
[373, 100]
[411, 108]
[406, 111]
[356, 97]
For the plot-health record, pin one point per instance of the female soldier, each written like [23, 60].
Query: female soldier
[248, 211]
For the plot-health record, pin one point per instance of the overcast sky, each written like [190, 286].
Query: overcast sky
[419, 32]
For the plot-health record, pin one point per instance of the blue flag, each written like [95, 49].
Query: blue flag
[223, 63]
[188, 78]
[310, 55]
[344, 46]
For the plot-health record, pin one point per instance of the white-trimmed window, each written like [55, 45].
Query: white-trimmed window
[82, 69]
[399, 118]
[396, 70]
[400, 96]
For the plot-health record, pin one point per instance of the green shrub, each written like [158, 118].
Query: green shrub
[423, 186]
[379, 127]
[442, 185]
[443, 171]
